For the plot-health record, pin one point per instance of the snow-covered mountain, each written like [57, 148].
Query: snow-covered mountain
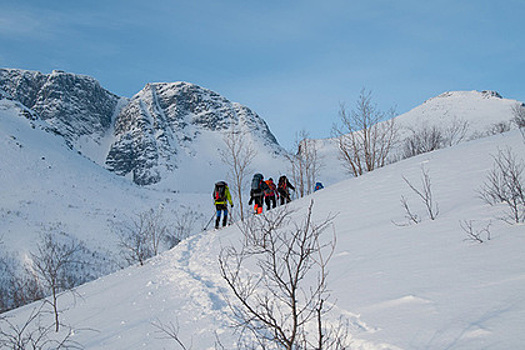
[481, 110]
[74, 106]
[166, 124]
[473, 114]
[149, 138]
[47, 184]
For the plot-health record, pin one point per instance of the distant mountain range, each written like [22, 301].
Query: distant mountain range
[168, 133]
[145, 137]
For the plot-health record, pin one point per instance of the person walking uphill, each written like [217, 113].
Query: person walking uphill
[283, 188]
[257, 193]
[221, 195]
[270, 195]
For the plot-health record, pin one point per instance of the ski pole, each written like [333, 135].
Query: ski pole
[209, 222]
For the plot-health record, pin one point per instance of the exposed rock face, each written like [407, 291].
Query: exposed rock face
[74, 105]
[152, 131]
[164, 118]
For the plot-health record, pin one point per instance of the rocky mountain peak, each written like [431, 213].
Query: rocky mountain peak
[145, 137]
[164, 120]
[74, 105]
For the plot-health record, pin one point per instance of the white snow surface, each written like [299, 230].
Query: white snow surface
[46, 184]
[402, 287]
[418, 286]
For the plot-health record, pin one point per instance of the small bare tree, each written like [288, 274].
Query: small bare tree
[284, 304]
[518, 110]
[425, 193]
[184, 223]
[505, 184]
[17, 286]
[305, 164]
[411, 217]
[430, 137]
[367, 135]
[171, 331]
[474, 234]
[141, 238]
[33, 334]
[239, 155]
[53, 263]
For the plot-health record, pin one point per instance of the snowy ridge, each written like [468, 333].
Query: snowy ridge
[478, 111]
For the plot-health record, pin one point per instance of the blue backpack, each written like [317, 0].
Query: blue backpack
[256, 181]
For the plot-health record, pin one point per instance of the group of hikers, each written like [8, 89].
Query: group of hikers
[267, 192]
[261, 192]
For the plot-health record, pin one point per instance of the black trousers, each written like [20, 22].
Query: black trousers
[271, 202]
[285, 197]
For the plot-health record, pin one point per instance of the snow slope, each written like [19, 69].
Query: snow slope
[402, 287]
[46, 184]
[478, 110]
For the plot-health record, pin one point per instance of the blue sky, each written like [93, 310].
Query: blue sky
[292, 62]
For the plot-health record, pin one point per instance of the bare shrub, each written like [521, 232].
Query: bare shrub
[505, 184]
[499, 128]
[305, 163]
[366, 135]
[425, 193]
[184, 224]
[284, 304]
[171, 331]
[239, 155]
[423, 140]
[17, 286]
[455, 132]
[141, 238]
[34, 334]
[518, 111]
[56, 263]
[474, 234]
[430, 137]
[411, 217]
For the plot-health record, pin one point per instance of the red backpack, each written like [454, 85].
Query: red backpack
[220, 191]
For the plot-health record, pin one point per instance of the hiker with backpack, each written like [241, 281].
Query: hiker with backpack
[221, 195]
[257, 192]
[283, 188]
[270, 194]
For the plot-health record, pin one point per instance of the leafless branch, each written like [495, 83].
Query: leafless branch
[472, 233]
[171, 331]
[425, 193]
[277, 305]
[505, 184]
[367, 135]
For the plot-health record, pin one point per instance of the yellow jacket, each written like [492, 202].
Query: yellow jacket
[228, 197]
